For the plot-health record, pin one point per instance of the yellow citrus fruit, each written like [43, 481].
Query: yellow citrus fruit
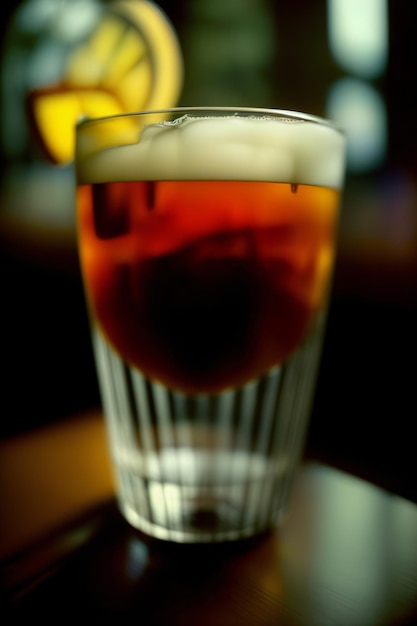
[130, 62]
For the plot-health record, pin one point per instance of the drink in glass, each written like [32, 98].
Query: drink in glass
[206, 241]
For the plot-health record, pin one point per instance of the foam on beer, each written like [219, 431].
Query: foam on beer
[222, 148]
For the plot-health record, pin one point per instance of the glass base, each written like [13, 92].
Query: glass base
[193, 496]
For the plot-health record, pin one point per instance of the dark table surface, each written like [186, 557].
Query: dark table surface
[346, 554]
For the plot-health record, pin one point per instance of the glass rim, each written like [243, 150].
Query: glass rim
[270, 112]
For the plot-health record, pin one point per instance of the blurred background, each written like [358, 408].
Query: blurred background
[350, 60]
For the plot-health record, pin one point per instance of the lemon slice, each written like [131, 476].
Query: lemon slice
[130, 62]
[54, 111]
[163, 51]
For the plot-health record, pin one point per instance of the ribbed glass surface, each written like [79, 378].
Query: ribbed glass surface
[205, 468]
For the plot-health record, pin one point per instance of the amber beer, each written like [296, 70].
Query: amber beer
[204, 285]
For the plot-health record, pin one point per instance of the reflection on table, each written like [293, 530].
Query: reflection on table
[346, 554]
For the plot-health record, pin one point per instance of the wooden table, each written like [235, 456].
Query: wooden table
[345, 556]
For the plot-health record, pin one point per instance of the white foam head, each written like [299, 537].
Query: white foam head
[222, 148]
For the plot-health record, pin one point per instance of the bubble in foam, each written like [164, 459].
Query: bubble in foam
[279, 120]
[177, 122]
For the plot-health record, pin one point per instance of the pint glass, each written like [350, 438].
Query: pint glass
[206, 240]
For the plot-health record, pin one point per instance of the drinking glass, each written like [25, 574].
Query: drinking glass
[206, 239]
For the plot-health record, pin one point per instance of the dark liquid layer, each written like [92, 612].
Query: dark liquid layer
[204, 286]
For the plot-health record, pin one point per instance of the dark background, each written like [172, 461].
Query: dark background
[365, 406]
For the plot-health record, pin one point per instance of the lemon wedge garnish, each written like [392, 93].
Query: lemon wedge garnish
[130, 62]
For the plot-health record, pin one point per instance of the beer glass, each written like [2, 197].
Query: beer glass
[206, 239]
